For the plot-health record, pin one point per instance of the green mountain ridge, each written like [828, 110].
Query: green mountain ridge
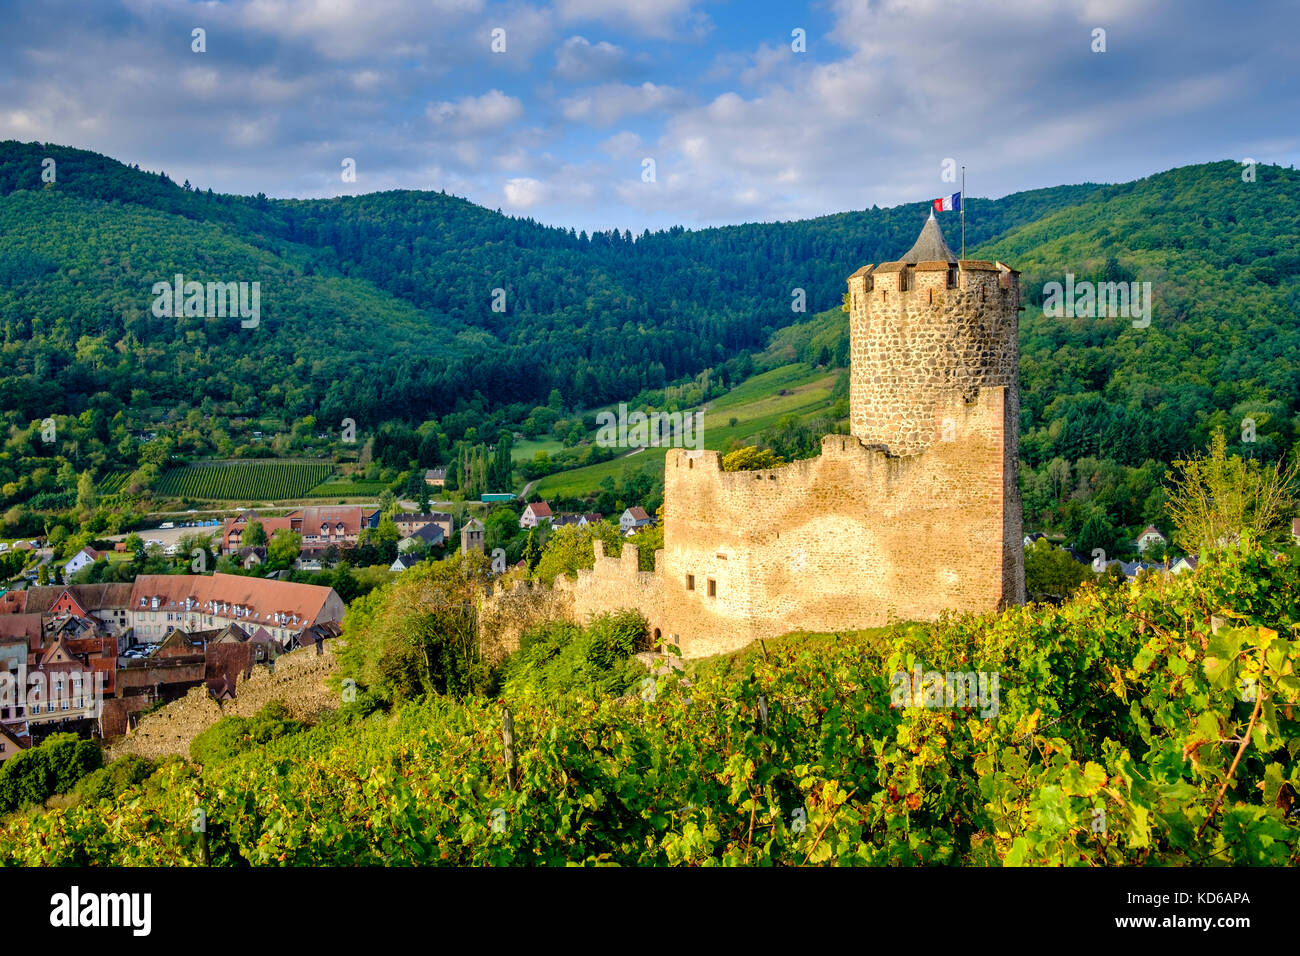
[379, 307]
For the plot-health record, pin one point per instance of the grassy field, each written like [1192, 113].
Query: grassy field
[526, 448]
[756, 404]
[263, 480]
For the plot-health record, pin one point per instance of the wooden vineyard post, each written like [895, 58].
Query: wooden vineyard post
[508, 739]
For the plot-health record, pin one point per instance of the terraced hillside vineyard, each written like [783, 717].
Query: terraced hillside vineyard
[1149, 724]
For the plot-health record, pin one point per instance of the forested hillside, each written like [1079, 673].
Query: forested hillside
[379, 308]
[600, 317]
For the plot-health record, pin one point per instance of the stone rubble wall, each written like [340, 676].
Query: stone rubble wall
[504, 615]
[298, 682]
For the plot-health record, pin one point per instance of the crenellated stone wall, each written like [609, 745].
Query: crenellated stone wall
[615, 583]
[508, 611]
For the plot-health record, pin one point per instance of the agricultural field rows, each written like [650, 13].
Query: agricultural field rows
[254, 480]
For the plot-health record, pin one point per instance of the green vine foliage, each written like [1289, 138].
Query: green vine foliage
[1139, 725]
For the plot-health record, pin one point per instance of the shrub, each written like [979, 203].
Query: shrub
[230, 736]
[53, 767]
[109, 782]
[557, 657]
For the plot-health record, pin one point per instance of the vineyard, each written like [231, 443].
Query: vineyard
[112, 483]
[1144, 725]
[343, 488]
[270, 480]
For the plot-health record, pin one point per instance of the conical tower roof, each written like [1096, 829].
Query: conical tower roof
[929, 245]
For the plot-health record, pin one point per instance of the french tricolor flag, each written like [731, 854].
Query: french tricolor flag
[948, 203]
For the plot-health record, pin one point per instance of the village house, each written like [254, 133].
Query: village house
[577, 521]
[404, 562]
[536, 512]
[250, 557]
[1187, 563]
[634, 519]
[408, 524]
[55, 678]
[160, 602]
[82, 559]
[1151, 537]
[427, 536]
[435, 477]
[320, 527]
[106, 603]
[14, 739]
[199, 629]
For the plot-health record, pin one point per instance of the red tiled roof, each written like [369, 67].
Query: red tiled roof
[258, 600]
[13, 602]
[26, 626]
[540, 509]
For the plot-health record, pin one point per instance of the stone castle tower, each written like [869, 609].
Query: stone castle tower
[914, 513]
[923, 330]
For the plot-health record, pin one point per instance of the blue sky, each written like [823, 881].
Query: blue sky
[740, 126]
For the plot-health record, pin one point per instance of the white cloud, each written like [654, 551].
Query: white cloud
[472, 115]
[607, 104]
[578, 59]
[344, 29]
[653, 18]
[624, 145]
[523, 192]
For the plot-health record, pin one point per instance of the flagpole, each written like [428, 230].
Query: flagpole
[963, 212]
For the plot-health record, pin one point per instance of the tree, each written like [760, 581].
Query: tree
[285, 547]
[1050, 572]
[532, 553]
[1215, 499]
[569, 548]
[417, 635]
[1097, 532]
[254, 535]
[85, 492]
[53, 767]
[750, 458]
